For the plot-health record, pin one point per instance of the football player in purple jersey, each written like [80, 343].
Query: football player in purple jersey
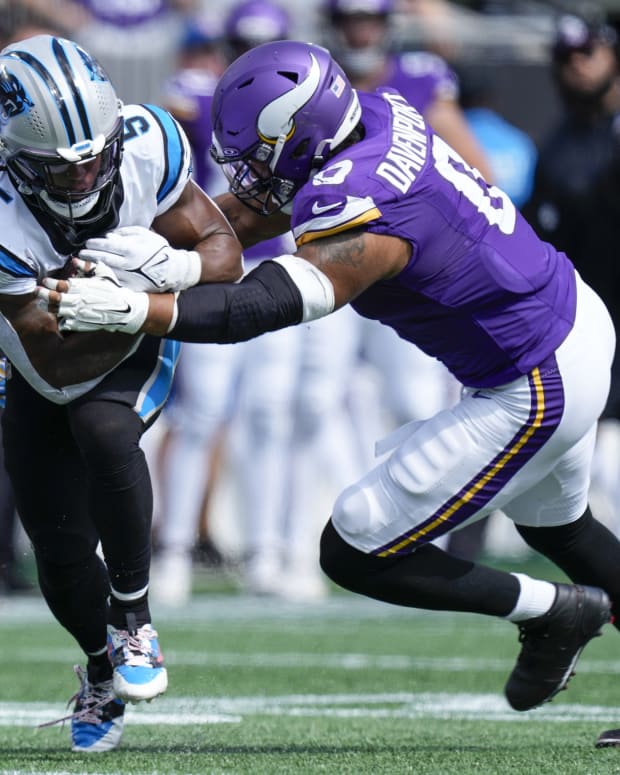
[360, 34]
[390, 219]
[360, 38]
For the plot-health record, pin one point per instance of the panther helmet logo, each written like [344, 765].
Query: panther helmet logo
[95, 70]
[13, 97]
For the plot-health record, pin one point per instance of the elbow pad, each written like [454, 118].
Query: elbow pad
[266, 299]
[315, 286]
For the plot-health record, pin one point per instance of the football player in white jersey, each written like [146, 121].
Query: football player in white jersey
[76, 164]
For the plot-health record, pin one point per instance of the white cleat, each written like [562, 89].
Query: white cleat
[139, 672]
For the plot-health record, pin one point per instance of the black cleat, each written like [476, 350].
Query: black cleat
[608, 739]
[553, 642]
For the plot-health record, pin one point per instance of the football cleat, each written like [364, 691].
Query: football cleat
[138, 664]
[97, 721]
[97, 718]
[608, 739]
[552, 643]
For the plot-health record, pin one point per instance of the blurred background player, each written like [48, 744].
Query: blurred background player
[359, 34]
[129, 38]
[322, 451]
[576, 200]
[287, 392]
[511, 152]
[255, 380]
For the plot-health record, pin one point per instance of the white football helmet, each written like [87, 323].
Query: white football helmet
[61, 130]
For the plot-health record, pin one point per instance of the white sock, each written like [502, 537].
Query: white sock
[128, 597]
[99, 653]
[535, 599]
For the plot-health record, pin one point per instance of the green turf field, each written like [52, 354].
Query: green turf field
[344, 686]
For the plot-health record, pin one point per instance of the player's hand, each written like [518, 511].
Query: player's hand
[94, 303]
[81, 268]
[144, 260]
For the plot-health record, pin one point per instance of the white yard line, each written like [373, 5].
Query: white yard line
[64, 772]
[203, 611]
[185, 711]
[300, 660]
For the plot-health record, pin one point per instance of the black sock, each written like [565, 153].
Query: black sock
[99, 668]
[129, 615]
[585, 550]
[426, 578]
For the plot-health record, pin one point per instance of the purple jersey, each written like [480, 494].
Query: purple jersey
[124, 14]
[481, 292]
[422, 78]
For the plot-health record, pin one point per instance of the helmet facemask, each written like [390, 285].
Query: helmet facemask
[50, 182]
[252, 181]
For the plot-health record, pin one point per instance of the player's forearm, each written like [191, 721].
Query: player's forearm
[250, 227]
[162, 309]
[278, 293]
[221, 258]
[266, 300]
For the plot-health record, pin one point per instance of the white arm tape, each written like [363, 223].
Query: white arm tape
[315, 287]
[175, 314]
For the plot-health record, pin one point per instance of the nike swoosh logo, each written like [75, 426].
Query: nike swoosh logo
[317, 209]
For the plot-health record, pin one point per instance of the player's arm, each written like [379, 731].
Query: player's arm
[195, 222]
[322, 276]
[189, 243]
[61, 359]
[249, 226]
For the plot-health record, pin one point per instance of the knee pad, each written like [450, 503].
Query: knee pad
[363, 508]
[354, 510]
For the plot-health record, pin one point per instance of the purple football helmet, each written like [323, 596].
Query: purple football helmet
[254, 22]
[277, 113]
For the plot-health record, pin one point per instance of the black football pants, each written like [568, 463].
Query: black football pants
[430, 578]
[80, 477]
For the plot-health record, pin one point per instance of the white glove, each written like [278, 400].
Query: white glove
[97, 302]
[144, 260]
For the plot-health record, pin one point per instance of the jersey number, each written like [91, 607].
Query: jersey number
[134, 126]
[490, 201]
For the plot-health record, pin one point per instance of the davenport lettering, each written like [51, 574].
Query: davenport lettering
[409, 146]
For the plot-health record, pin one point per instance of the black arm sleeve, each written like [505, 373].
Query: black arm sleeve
[265, 300]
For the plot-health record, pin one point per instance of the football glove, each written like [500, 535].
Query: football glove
[144, 260]
[97, 302]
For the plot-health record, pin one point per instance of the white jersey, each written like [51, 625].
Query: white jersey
[155, 168]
